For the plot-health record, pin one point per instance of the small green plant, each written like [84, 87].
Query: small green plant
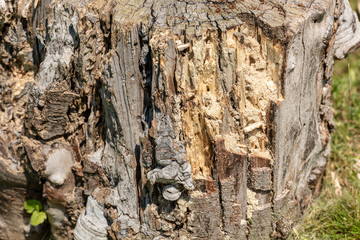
[34, 207]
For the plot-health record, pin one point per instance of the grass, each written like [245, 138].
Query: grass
[336, 214]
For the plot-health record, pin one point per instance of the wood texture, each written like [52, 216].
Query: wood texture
[166, 119]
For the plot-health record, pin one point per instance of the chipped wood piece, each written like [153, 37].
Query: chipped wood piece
[253, 126]
[182, 47]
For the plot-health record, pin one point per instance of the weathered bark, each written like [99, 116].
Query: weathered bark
[166, 119]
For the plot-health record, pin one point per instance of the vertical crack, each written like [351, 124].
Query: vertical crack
[221, 205]
[248, 221]
[216, 177]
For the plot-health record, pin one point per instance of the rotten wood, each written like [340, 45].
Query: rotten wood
[166, 119]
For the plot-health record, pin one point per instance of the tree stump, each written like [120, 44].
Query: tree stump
[166, 119]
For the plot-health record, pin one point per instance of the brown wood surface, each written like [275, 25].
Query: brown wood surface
[166, 119]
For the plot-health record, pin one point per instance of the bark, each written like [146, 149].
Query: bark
[166, 119]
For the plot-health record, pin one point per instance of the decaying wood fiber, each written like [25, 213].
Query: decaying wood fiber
[166, 119]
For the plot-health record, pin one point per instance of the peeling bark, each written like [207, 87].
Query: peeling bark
[166, 119]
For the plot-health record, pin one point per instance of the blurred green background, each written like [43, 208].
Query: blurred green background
[335, 214]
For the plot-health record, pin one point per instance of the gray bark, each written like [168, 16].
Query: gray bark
[166, 119]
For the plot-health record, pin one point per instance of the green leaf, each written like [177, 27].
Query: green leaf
[32, 205]
[38, 218]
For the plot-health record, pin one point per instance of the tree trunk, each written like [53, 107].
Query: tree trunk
[165, 119]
